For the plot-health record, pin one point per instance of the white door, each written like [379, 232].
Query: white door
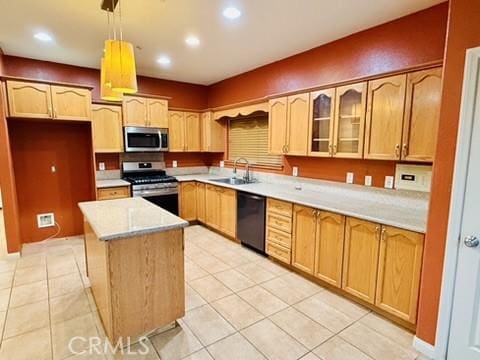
[464, 339]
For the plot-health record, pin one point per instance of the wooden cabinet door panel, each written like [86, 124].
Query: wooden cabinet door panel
[29, 100]
[188, 201]
[399, 272]
[349, 124]
[201, 202]
[212, 133]
[107, 128]
[329, 247]
[71, 103]
[321, 121]
[303, 238]
[277, 125]
[135, 111]
[176, 131]
[193, 132]
[157, 113]
[422, 112]
[385, 110]
[227, 212]
[360, 258]
[212, 206]
[297, 131]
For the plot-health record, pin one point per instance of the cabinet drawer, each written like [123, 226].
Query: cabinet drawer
[279, 207]
[113, 193]
[279, 237]
[278, 252]
[279, 222]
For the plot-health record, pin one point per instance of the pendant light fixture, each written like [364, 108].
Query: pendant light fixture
[118, 72]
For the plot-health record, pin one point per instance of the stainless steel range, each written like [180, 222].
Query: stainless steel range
[150, 181]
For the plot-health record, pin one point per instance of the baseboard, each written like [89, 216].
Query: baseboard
[423, 347]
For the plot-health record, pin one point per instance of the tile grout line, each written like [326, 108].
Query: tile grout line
[4, 328]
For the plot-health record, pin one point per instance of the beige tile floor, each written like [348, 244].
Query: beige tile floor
[239, 306]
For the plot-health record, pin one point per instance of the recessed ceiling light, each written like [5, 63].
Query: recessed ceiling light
[43, 37]
[164, 60]
[192, 41]
[231, 13]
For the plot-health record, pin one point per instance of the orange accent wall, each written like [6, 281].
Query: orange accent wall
[35, 147]
[409, 41]
[183, 95]
[1, 61]
[190, 159]
[463, 33]
[112, 161]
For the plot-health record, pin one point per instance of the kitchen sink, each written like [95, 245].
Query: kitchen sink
[231, 181]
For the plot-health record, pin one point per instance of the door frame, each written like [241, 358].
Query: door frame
[471, 83]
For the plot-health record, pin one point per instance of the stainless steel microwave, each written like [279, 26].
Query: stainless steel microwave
[140, 139]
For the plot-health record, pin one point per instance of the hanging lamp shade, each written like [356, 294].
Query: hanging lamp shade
[120, 66]
[106, 92]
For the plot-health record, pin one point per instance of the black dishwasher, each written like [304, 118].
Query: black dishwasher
[251, 220]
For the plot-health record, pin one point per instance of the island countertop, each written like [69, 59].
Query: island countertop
[120, 218]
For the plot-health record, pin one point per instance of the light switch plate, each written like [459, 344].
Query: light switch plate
[295, 171]
[222, 164]
[174, 163]
[389, 182]
[349, 179]
[101, 166]
[368, 180]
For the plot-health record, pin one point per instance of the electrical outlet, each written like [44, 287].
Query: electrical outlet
[45, 220]
[174, 163]
[101, 166]
[349, 179]
[222, 164]
[389, 182]
[368, 180]
[295, 171]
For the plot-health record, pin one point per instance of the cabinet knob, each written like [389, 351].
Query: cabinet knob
[471, 241]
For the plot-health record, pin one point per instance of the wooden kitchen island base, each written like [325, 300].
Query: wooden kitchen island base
[137, 282]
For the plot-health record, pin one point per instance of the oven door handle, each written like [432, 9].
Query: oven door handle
[145, 193]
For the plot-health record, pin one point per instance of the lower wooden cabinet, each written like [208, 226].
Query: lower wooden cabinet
[113, 193]
[399, 268]
[201, 202]
[188, 202]
[360, 258]
[221, 209]
[329, 237]
[303, 238]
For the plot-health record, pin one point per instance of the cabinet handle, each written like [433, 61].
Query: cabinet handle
[382, 237]
[330, 149]
[50, 112]
[334, 149]
[404, 150]
[55, 113]
[313, 213]
[397, 150]
[287, 147]
[377, 231]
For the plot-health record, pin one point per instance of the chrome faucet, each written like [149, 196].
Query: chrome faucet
[247, 170]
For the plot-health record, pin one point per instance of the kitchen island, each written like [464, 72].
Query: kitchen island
[135, 264]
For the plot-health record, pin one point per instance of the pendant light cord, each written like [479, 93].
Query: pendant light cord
[120, 14]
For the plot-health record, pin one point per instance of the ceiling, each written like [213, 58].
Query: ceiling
[268, 30]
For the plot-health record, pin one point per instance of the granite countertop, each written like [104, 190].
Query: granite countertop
[358, 202]
[111, 183]
[120, 218]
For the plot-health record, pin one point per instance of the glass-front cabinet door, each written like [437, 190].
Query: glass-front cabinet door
[321, 123]
[349, 121]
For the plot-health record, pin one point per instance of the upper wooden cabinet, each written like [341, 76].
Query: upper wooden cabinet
[386, 99]
[360, 258]
[400, 263]
[303, 238]
[277, 125]
[71, 103]
[349, 128]
[422, 112]
[329, 237]
[107, 128]
[288, 125]
[188, 201]
[145, 112]
[157, 113]
[184, 131]
[321, 125]
[43, 101]
[213, 133]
